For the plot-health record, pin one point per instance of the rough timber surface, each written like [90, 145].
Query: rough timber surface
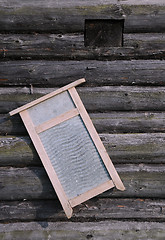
[71, 46]
[144, 18]
[41, 48]
[112, 122]
[64, 17]
[97, 73]
[32, 183]
[93, 210]
[100, 99]
[53, 17]
[122, 148]
[77, 230]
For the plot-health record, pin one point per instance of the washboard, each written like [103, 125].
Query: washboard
[70, 149]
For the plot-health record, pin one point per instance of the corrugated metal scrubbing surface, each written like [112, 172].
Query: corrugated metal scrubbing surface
[74, 157]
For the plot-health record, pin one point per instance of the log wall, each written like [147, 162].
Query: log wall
[41, 49]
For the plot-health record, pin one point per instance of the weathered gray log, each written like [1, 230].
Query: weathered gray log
[107, 98]
[54, 17]
[113, 122]
[65, 17]
[96, 73]
[94, 209]
[144, 18]
[11, 125]
[141, 181]
[129, 122]
[142, 2]
[18, 151]
[73, 3]
[58, 4]
[135, 147]
[122, 148]
[145, 41]
[71, 46]
[101, 230]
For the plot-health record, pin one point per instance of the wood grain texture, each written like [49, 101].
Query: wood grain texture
[95, 209]
[41, 48]
[122, 148]
[76, 230]
[51, 3]
[112, 122]
[142, 2]
[140, 181]
[71, 46]
[58, 4]
[48, 97]
[123, 98]
[65, 17]
[144, 18]
[51, 18]
[98, 99]
[97, 73]
[129, 122]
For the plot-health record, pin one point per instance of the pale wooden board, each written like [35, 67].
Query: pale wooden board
[46, 162]
[57, 120]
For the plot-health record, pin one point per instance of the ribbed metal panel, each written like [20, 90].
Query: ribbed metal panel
[74, 157]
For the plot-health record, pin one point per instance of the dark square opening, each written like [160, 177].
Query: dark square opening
[103, 32]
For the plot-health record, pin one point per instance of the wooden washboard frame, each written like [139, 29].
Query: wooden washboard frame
[39, 131]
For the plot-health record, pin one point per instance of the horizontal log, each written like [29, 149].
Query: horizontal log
[18, 151]
[58, 4]
[122, 148]
[144, 18]
[145, 41]
[129, 122]
[12, 125]
[131, 148]
[95, 209]
[65, 17]
[71, 46]
[76, 230]
[113, 122]
[96, 73]
[100, 99]
[53, 18]
[72, 3]
[141, 2]
[141, 181]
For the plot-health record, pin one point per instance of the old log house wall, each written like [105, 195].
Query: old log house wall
[42, 48]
